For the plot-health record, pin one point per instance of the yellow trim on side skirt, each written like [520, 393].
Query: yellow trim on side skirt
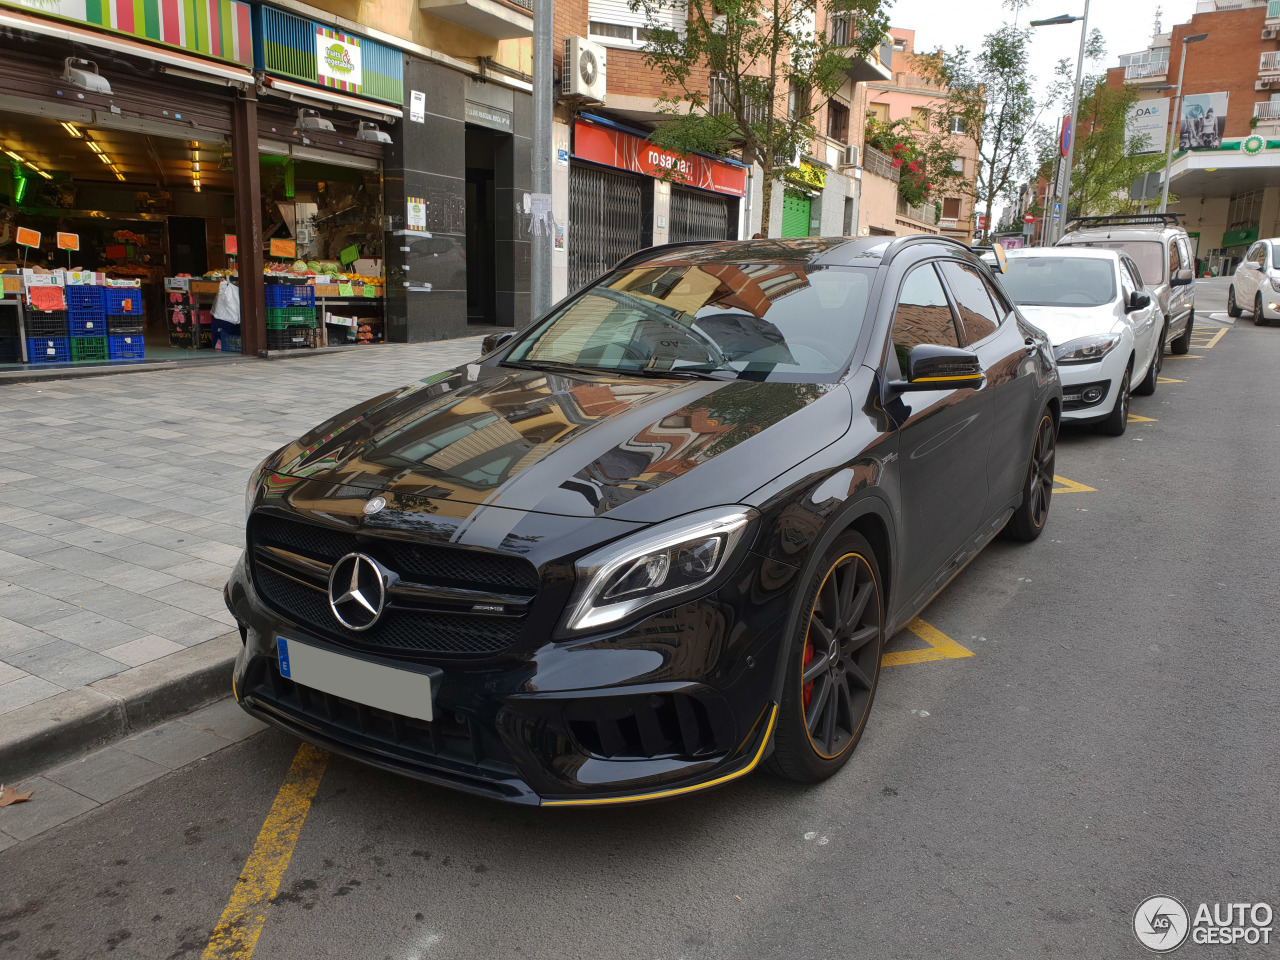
[676, 790]
[967, 376]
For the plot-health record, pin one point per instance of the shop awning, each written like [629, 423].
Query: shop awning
[354, 105]
[169, 60]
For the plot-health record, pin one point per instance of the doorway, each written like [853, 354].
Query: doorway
[188, 246]
[482, 250]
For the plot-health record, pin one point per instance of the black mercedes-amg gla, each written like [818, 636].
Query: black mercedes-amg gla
[658, 537]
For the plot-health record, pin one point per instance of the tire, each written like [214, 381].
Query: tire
[1029, 519]
[838, 696]
[1182, 344]
[1233, 308]
[1148, 385]
[1118, 421]
[1258, 319]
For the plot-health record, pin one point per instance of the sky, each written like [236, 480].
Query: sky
[1126, 27]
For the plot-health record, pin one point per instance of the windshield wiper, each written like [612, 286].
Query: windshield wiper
[556, 366]
[560, 366]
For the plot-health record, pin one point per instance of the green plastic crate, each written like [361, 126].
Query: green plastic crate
[88, 348]
[283, 318]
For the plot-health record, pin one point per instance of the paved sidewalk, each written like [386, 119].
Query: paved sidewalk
[121, 510]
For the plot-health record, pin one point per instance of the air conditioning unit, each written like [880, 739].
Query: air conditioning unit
[852, 157]
[1265, 84]
[583, 76]
[1269, 33]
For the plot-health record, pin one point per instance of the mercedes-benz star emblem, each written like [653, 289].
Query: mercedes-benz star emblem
[374, 506]
[357, 591]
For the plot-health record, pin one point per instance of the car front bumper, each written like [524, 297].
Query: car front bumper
[1078, 378]
[680, 701]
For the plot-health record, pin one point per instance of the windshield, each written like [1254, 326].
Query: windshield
[748, 320]
[1147, 254]
[1060, 281]
[1275, 255]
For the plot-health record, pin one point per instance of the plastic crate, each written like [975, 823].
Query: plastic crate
[126, 348]
[122, 301]
[124, 325]
[231, 343]
[88, 348]
[46, 323]
[48, 350]
[293, 339]
[87, 327]
[281, 318]
[84, 299]
[290, 295]
[10, 350]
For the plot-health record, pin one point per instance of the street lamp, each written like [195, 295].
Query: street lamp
[1175, 122]
[1065, 189]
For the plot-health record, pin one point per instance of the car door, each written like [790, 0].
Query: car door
[1247, 277]
[943, 436]
[1009, 365]
[1145, 321]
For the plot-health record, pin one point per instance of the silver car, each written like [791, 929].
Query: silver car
[1159, 245]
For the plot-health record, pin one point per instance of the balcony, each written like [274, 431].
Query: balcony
[873, 161]
[1267, 110]
[1214, 6]
[1146, 71]
[925, 213]
[1269, 62]
[842, 28]
[501, 19]
[1273, 12]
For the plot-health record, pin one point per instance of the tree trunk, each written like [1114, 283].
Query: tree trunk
[766, 201]
[986, 231]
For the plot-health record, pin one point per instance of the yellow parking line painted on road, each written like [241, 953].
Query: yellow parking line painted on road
[1134, 418]
[237, 932]
[1213, 340]
[1071, 486]
[941, 647]
[1184, 356]
[1168, 380]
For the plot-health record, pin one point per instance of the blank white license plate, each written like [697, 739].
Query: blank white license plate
[373, 684]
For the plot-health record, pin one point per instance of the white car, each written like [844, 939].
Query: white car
[1255, 285]
[1105, 330]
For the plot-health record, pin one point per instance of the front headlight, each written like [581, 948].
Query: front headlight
[1086, 349]
[640, 571]
[1275, 284]
[255, 481]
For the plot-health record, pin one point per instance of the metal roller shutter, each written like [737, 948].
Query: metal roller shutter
[606, 221]
[795, 215]
[698, 216]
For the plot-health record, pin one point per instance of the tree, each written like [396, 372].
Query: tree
[750, 74]
[1106, 160]
[990, 95]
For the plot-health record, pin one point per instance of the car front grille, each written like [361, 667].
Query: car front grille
[429, 613]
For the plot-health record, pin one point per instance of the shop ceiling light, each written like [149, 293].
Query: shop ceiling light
[369, 133]
[71, 129]
[15, 156]
[93, 146]
[119, 175]
[310, 120]
[84, 74]
[105, 159]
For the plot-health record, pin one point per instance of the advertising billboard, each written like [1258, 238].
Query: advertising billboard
[1204, 115]
[1147, 121]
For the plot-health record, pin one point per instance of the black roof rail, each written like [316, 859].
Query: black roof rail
[898, 244]
[1125, 220]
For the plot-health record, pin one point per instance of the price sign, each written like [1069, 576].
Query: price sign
[370, 291]
[284, 248]
[28, 237]
[68, 241]
[349, 256]
[229, 244]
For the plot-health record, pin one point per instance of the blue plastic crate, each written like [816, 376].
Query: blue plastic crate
[48, 350]
[84, 299]
[126, 348]
[122, 301]
[87, 326]
[290, 295]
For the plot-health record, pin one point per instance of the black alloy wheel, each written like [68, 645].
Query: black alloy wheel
[1233, 308]
[1029, 519]
[1118, 421]
[1148, 385]
[834, 665]
[1259, 320]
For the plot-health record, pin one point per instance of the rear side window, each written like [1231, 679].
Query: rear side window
[978, 315]
[922, 315]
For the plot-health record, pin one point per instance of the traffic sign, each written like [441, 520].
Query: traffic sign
[1064, 140]
[1057, 210]
[1028, 218]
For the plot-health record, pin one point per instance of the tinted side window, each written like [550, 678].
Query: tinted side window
[978, 316]
[923, 314]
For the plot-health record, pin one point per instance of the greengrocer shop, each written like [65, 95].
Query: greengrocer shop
[147, 172]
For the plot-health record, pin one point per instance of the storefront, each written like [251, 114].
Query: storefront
[626, 193]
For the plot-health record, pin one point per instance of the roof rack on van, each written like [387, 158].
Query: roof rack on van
[1126, 220]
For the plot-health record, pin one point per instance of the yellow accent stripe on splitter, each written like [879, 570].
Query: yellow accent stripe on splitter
[676, 790]
[237, 932]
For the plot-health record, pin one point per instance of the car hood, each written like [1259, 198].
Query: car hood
[631, 448]
[1067, 323]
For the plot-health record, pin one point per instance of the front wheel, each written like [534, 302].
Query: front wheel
[1029, 519]
[1148, 385]
[1259, 318]
[833, 664]
[1118, 420]
[1233, 308]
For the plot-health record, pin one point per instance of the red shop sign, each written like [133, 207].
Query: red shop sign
[614, 148]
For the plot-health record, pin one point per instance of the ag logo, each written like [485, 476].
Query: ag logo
[1161, 924]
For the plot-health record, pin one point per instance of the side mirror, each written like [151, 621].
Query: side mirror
[1182, 277]
[1139, 299]
[493, 341]
[933, 367]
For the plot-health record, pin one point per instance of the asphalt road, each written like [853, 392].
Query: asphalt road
[1114, 736]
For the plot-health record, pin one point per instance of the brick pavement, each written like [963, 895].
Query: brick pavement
[122, 502]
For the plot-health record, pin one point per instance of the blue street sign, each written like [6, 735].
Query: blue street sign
[1057, 210]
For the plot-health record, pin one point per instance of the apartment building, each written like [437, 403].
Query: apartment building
[1225, 173]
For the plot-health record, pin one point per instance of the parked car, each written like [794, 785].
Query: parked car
[659, 536]
[1104, 326]
[1159, 245]
[1256, 282]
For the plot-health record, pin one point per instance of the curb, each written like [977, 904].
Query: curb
[77, 721]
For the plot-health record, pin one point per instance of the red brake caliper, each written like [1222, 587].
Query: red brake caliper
[807, 690]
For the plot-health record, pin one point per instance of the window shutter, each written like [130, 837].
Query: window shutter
[620, 12]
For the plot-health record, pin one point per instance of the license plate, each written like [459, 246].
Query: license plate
[405, 692]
